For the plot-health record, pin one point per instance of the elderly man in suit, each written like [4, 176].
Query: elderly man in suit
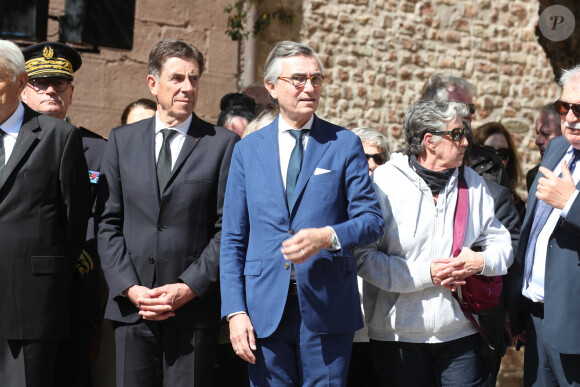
[298, 201]
[160, 198]
[545, 286]
[44, 207]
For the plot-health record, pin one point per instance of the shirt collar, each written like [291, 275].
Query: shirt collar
[12, 125]
[181, 127]
[283, 126]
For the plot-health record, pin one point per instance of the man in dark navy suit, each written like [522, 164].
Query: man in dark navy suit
[161, 193]
[545, 284]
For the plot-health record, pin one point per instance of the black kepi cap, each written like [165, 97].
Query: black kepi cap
[51, 59]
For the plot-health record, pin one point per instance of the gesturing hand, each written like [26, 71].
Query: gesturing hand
[555, 190]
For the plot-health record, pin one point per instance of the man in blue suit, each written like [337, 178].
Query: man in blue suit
[298, 200]
[545, 283]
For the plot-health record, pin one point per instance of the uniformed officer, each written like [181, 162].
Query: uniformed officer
[50, 67]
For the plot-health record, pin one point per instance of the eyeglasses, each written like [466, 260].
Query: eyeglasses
[502, 153]
[299, 80]
[563, 107]
[378, 158]
[471, 108]
[456, 134]
[40, 85]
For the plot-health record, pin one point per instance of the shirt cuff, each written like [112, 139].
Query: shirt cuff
[335, 242]
[569, 204]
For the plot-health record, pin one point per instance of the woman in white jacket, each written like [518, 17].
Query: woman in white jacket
[419, 334]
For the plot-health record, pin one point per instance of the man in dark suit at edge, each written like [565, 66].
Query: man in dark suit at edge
[161, 193]
[44, 206]
[545, 286]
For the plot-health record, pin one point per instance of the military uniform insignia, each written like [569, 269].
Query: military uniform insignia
[48, 52]
[84, 264]
[94, 176]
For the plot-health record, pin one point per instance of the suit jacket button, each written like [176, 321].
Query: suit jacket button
[292, 232]
[151, 260]
[160, 227]
[286, 265]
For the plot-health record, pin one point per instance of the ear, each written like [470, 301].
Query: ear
[152, 82]
[271, 87]
[427, 141]
[21, 80]
[72, 89]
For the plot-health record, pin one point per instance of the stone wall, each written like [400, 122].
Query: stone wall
[379, 53]
[111, 79]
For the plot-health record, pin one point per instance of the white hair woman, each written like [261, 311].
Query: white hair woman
[419, 333]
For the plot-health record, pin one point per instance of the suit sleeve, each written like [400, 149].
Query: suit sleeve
[203, 274]
[76, 192]
[236, 229]
[116, 263]
[365, 222]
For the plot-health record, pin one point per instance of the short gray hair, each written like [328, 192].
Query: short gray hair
[568, 75]
[428, 116]
[286, 49]
[439, 86]
[11, 59]
[374, 138]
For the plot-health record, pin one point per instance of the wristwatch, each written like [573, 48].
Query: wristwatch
[334, 244]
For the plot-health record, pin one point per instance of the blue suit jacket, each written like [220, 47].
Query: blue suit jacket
[254, 277]
[562, 280]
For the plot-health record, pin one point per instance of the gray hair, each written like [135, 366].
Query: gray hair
[439, 86]
[172, 48]
[374, 138]
[286, 49]
[428, 116]
[568, 75]
[265, 118]
[11, 59]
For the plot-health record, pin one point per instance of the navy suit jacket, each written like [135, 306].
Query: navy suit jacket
[562, 279]
[333, 189]
[148, 240]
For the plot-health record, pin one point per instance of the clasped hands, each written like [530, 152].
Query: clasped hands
[450, 273]
[160, 303]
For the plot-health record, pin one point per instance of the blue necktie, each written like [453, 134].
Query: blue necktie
[541, 215]
[294, 166]
[164, 160]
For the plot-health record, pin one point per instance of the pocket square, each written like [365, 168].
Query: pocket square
[320, 171]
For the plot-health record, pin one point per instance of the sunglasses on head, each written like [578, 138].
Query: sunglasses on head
[377, 157]
[502, 153]
[563, 107]
[456, 134]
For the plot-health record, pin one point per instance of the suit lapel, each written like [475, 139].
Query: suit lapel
[550, 161]
[269, 158]
[148, 144]
[318, 143]
[27, 137]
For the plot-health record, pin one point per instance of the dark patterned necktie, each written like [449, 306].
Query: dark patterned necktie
[294, 165]
[541, 215]
[164, 160]
[2, 152]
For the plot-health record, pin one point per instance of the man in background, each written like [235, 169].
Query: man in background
[547, 127]
[51, 67]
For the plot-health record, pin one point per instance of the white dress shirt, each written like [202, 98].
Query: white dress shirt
[12, 127]
[535, 288]
[175, 142]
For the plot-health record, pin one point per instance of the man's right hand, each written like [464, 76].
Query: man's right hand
[242, 337]
[135, 292]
